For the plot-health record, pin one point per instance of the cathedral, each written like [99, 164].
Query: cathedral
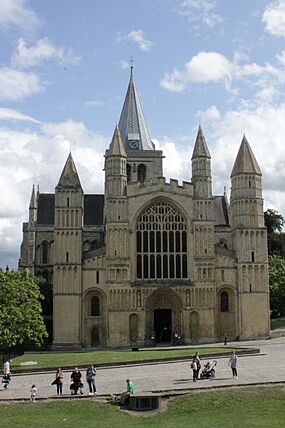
[150, 261]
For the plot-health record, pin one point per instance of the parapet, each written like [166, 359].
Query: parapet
[160, 185]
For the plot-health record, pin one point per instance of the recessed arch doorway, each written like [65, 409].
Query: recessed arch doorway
[163, 315]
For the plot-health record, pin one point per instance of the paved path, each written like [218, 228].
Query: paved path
[265, 368]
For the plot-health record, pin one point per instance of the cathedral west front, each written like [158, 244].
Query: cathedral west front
[150, 261]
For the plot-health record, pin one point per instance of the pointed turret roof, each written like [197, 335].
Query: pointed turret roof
[69, 176]
[33, 200]
[132, 123]
[116, 147]
[245, 161]
[200, 148]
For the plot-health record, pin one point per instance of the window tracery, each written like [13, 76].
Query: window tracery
[161, 243]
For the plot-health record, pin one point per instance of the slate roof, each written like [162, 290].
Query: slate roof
[221, 216]
[93, 209]
[132, 123]
[200, 148]
[45, 208]
[245, 161]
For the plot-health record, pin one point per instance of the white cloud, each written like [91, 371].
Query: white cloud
[124, 64]
[95, 103]
[8, 114]
[211, 113]
[38, 157]
[43, 50]
[200, 12]
[137, 37]
[15, 14]
[17, 85]
[204, 67]
[274, 18]
[213, 67]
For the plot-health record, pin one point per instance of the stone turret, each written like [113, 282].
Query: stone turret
[116, 208]
[201, 168]
[246, 192]
[33, 206]
[115, 168]
[68, 229]
[249, 239]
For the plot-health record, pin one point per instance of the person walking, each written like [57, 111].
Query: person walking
[90, 378]
[194, 368]
[58, 381]
[198, 361]
[6, 374]
[233, 364]
[33, 392]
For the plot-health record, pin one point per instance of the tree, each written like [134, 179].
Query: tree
[277, 286]
[273, 221]
[21, 313]
[275, 237]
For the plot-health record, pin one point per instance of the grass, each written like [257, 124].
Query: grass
[60, 359]
[236, 408]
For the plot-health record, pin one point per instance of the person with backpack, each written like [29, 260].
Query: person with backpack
[90, 378]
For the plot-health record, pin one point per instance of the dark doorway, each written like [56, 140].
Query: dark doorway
[162, 325]
[95, 337]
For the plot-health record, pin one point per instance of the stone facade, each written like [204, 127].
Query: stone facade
[151, 261]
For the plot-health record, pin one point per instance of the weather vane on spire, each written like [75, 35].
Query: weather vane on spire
[132, 62]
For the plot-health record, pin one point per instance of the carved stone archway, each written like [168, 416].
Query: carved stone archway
[168, 303]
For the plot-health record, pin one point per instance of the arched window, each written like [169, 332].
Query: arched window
[224, 301]
[44, 252]
[141, 173]
[95, 306]
[129, 172]
[161, 243]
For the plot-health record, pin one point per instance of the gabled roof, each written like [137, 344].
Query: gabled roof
[245, 161]
[200, 148]
[93, 209]
[69, 176]
[116, 146]
[132, 123]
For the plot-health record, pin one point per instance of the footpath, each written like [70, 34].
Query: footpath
[168, 378]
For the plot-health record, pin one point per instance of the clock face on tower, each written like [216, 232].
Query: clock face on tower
[134, 144]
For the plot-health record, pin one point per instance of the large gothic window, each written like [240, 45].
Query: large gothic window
[161, 243]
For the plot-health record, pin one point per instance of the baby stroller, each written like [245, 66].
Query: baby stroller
[74, 387]
[208, 372]
[6, 380]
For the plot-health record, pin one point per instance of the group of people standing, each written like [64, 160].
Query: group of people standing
[76, 380]
[196, 365]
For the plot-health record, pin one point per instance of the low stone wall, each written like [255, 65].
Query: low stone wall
[277, 323]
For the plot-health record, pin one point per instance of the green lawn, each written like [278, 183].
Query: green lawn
[60, 359]
[235, 408]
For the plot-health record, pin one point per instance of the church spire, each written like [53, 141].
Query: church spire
[200, 148]
[132, 125]
[69, 177]
[245, 161]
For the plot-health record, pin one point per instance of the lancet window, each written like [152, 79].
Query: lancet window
[161, 243]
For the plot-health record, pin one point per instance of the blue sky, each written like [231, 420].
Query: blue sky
[64, 71]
